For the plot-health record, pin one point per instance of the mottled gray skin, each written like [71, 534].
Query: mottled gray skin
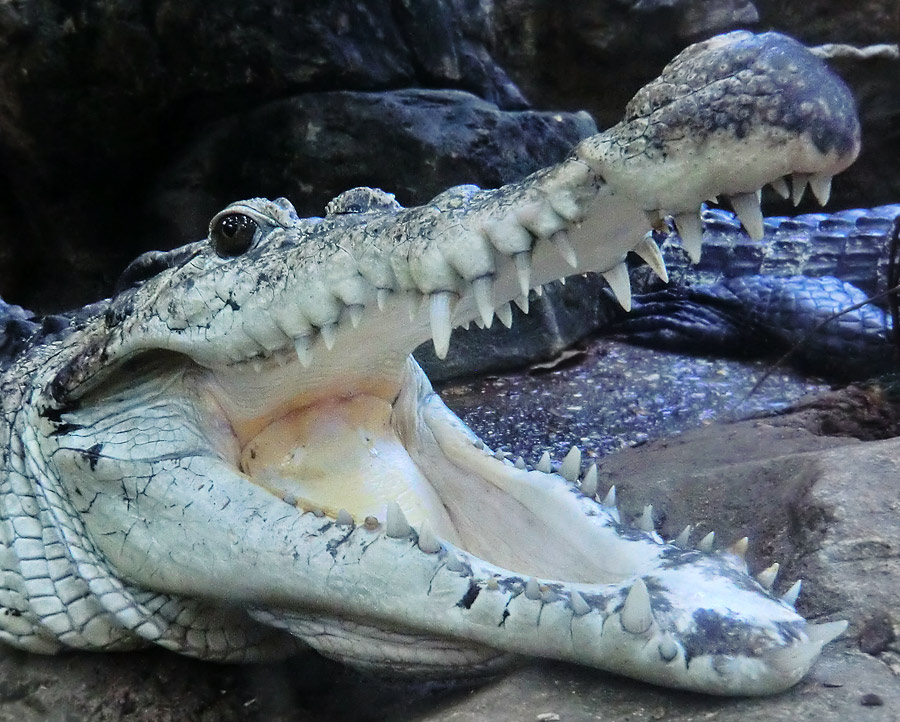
[235, 456]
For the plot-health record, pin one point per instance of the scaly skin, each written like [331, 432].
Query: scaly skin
[235, 455]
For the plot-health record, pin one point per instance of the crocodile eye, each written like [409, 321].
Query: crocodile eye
[232, 234]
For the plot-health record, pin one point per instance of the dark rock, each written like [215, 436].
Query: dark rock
[311, 147]
[98, 99]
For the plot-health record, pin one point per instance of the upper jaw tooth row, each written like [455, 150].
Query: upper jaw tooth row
[513, 238]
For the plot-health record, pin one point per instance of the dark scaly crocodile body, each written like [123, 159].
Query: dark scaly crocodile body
[796, 290]
[235, 457]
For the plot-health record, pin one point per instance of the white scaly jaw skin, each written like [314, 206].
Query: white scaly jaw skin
[315, 479]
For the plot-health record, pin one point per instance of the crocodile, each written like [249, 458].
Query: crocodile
[236, 458]
[747, 298]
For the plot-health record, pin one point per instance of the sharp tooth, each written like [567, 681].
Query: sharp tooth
[637, 615]
[539, 291]
[690, 230]
[562, 280]
[821, 187]
[329, 334]
[683, 539]
[620, 283]
[522, 303]
[827, 632]
[656, 220]
[610, 498]
[798, 656]
[344, 518]
[479, 323]
[561, 242]
[668, 649]
[767, 576]
[739, 548]
[645, 523]
[571, 465]
[781, 188]
[706, 543]
[532, 589]
[440, 323]
[464, 326]
[428, 542]
[589, 483]
[500, 454]
[483, 290]
[746, 205]
[649, 252]
[520, 463]
[395, 523]
[381, 297]
[799, 181]
[579, 606]
[523, 270]
[544, 464]
[454, 563]
[356, 314]
[790, 596]
[301, 347]
[504, 313]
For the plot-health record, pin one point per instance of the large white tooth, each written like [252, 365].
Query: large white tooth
[781, 188]
[820, 185]
[454, 563]
[706, 543]
[683, 539]
[539, 291]
[522, 303]
[561, 243]
[440, 322]
[690, 230]
[645, 522]
[532, 589]
[790, 596]
[395, 524]
[571, 465]
[637, 615]
[483, 291]
[589, 483]
[356, 313]
[767, 576]
[504, 313]
[343, 518]
[520, 463]
[523, 270]
[739, 548]
[428, 542]
[329, 334]
[544, 464]
[799, 181]
[579, 606]
[746, 205]
[381, 297]
[826, 632]
[301, 347]
[610, 499]
[649, 252]
[620, 283]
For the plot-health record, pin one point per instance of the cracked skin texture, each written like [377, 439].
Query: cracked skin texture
[235, 458]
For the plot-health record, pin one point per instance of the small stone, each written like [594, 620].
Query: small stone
[547, 717]
[871, 700]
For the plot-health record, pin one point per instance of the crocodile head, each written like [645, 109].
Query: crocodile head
[239, 452]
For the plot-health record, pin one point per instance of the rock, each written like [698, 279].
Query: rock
[313, 146]
[99, 99]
